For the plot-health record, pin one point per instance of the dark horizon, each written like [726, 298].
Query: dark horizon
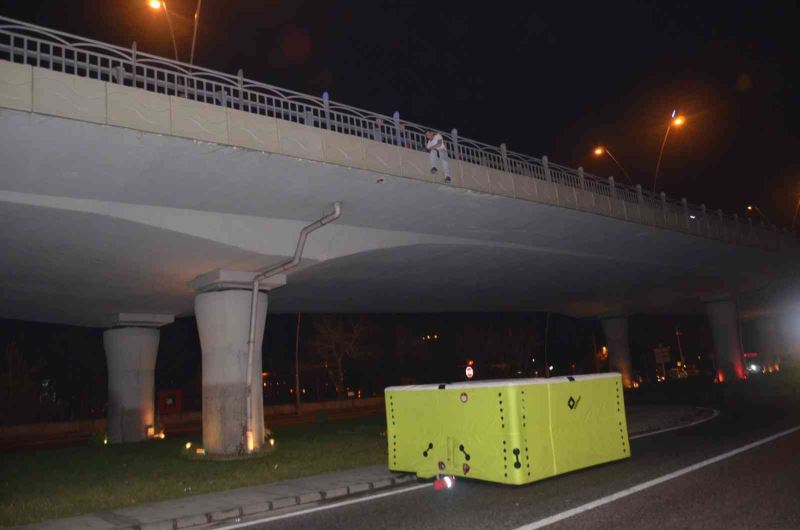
[68, 362]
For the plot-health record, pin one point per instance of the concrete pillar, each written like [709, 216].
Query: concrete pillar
[223, 320]
[619, 350]
[723, 316]
[131, 359]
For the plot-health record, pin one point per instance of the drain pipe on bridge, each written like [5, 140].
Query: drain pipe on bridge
[286, 266]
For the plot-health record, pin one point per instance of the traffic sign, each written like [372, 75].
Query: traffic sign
[470, 372]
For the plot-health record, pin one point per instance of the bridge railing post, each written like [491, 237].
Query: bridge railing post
[664, 206]
[581, 178]
[377, 132]
[133, 62]
[456, 151]
[612, 187]
[639, 194]
[240, 87]
[504, 156]
[721, 219]
[546, 165]
[736, 228]
[397, 132]
[326, 105]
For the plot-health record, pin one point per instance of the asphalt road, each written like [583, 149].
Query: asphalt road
[757, 488]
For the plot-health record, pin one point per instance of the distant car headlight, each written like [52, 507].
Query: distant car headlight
[752, 368]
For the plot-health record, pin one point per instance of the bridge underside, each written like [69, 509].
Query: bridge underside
[100, 220]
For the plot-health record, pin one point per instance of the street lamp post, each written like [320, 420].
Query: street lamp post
[677, 121]
[194, 33]
[162, 4]
[600, 151]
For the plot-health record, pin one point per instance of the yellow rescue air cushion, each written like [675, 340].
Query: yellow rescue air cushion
[509, 431]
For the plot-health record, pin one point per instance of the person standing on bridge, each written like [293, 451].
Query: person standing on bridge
[435, 144]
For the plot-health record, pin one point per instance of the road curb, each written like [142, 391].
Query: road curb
[235, 513]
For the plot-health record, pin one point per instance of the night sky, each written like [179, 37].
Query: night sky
[551, 78]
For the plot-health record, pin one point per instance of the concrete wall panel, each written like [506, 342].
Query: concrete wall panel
[201, 121]
[136, 109]
[619, 209]
[525, 187]
[300, 140]
[253, 131]
[343, 149]
[381, 157]
[69, 96]
[415, 165]
[501, 183]
[566, 196]
[476, 177]
[16, 86]
[547, 192]
[586, 201]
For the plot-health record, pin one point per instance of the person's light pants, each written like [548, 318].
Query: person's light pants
[440, 155]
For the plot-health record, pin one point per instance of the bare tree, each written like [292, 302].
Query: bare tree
[337, 338]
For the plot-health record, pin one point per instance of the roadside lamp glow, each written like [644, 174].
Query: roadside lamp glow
[680, 120]
[155, 4]
[188, 445]
[272, 442]
[599, 150]
[250, 443]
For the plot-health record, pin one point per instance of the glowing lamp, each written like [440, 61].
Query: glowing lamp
[155, 4]
[250, 442]
[598, 151]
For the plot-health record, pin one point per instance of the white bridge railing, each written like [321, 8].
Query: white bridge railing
[25, 43]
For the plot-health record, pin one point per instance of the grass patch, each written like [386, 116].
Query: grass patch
[55, 483]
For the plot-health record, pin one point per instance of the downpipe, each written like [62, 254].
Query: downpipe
[272, 271]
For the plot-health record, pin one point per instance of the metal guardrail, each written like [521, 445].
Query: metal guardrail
[25, 43]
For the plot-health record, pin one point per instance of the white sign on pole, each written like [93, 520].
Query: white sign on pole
[470, 372]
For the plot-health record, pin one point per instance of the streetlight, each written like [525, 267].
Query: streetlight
[750, 208]
[600, 151]
[676, 121]
[156, 4]
[194, 33]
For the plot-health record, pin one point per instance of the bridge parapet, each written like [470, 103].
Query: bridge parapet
[56, 73]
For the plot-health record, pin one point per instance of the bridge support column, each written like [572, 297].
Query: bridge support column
[223, 322]
[619, 350]
[723, 316]
[131, 350]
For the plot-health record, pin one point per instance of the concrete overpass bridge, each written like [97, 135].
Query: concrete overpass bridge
[135, 189]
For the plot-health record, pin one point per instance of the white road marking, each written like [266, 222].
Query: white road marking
[698, 422]
[324, 507]
[650, 483]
